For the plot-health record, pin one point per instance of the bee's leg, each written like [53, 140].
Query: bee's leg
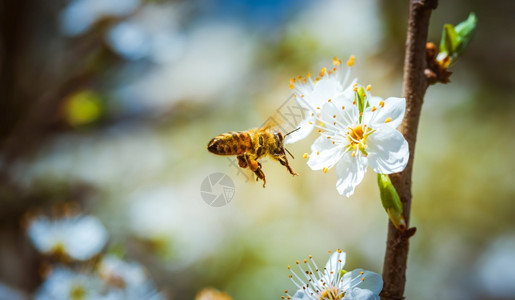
[284, 161]
[242, 162]
[255, 166]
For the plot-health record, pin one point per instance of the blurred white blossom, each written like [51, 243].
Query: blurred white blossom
[80, 15]
[495, 270]
[78, 237]
[65, 284]
[126, 280]
[10, 293]
[153, 33]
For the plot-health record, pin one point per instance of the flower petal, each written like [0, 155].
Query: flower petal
[393, 112]
[363, 279]
[300, 295]
[349, 172]
[361, 294]
[342, 111]
[86, 237]
[388, 151]
[325, 89]
[335, 262]
[303, 132]
[324, 153]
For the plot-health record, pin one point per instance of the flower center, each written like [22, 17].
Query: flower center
[356, 133]
[357, 136]
[78, 292]
[331, 294]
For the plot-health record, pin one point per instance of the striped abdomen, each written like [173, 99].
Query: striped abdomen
[231, 143]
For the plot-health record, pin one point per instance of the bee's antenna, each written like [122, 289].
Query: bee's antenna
[291, 133]
[289, 151]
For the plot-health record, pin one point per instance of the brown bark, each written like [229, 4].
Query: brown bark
[415, 86]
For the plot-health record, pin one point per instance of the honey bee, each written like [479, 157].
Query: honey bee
[250, 145]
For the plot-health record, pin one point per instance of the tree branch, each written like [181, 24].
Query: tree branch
[415, 86]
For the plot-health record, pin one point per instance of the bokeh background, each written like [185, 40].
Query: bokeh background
[110, 104]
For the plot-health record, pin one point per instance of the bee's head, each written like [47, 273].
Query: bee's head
[279, 137]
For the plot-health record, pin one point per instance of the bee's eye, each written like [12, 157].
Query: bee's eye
[260, 140]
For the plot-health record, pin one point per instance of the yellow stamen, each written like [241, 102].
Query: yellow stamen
[343, 107]
[329, 100]
[308, 75]
[322, 72]
[292, 80]
[291, 86]
[336, 61]
[350, 62]
[305, 155]
[373, 108]
[388, 120]
[325, 170]
[369, 87]
[334, 116]
[381, 103]
[318, 152]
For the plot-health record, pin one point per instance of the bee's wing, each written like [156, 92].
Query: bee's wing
[286, 117]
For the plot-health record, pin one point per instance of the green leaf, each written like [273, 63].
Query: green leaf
[449, 42]
[465, 31]
[361, 102]
[455, 39]
[391, 201]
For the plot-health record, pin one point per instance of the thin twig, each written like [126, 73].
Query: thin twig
[415, 86]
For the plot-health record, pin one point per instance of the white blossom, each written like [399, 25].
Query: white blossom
[312, 94]
[358, 132]
[333, 282]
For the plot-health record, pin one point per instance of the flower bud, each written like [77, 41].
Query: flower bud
[455, 39]
[391, 201]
